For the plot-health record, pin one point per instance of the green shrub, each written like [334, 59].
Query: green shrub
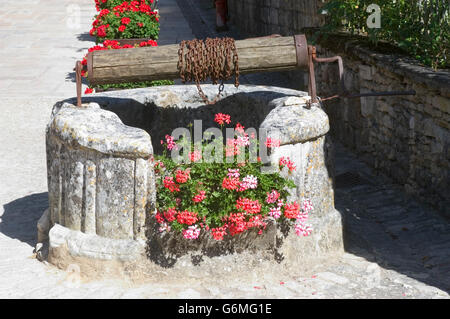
[421, 28]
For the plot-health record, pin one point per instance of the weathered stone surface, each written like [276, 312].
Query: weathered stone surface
[109, 194]
[294, 124]
[99, 130]
[92, 171]
[115, 198]
[92, 246]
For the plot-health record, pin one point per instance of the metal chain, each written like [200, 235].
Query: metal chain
[199, 60]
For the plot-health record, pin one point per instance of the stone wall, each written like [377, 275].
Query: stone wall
[283, 17]
[404, 137]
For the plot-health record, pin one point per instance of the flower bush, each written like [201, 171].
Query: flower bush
[223, 198]
[421, 28]
[110, 4]
[114, 45]
[127, 20]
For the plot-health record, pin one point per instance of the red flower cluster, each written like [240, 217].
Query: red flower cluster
[221, 118]
[187, 217]
[285, 161]
[230, 183]
[249, 206]
[219, 232]
[199, 197]
[109, 20]
[170, 215]
[182, 176]
[292, 210]
[171, 185]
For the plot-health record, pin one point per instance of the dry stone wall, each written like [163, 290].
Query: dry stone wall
[404, 137]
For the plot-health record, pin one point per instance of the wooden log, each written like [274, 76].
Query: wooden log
[160, 63]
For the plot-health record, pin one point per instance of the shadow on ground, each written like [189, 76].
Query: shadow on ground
[86, 37]
[21, 215]
[385, 226]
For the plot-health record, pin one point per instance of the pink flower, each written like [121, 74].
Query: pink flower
[164, 227]
[285, 161]
[302, 229]
[249, 182]
[171, 143]
[195, 156]
[272, 197]
[272, 143]
[233, 173]
[242, 141]
[192, 232]
[232, 149]
[275, 212]
[239, 128]
[307, 206]
[280, 203]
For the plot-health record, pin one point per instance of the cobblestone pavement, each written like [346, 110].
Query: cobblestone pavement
[395, 247]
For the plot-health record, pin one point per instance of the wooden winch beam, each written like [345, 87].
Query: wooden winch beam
[160, 63]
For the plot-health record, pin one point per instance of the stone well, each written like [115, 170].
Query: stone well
[102, 187]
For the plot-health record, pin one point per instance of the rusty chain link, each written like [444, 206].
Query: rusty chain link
[216, 59]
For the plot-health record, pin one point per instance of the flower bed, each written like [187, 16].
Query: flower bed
[127, 20]
[121, 25]
[227, 197]
[110, 4]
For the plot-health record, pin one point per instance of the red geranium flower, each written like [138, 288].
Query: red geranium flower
[122, 28]
[230, 183]
[101, 31]
[292, 210]
[187, 218]
[170, 214]
[221, 118]
[182, 176]
[125, 20]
